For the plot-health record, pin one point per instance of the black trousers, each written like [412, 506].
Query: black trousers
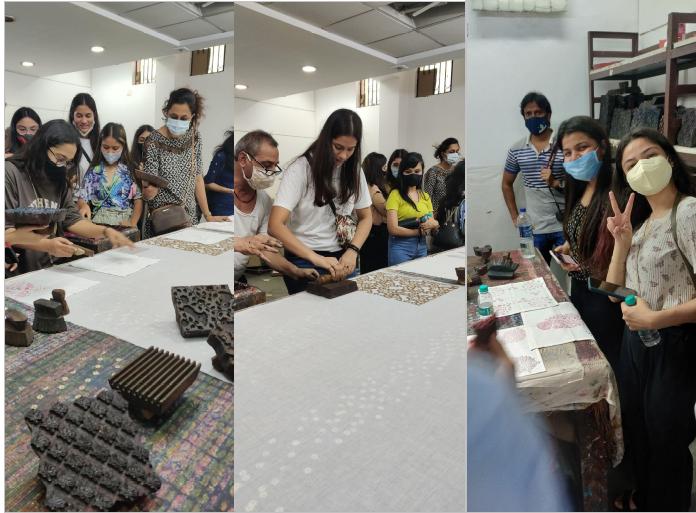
[657, 389]
[373, 255]
[603, 318]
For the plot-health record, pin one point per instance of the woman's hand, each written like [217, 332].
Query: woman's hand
[347, 263]
[149, 191]
[59, 247]
[128, 224]
[24, 235]
[565, 250]
[640, 316]
[620, 224]
[429, 225]
[329, 263]
[117, 239]
[304, 274]
[216, 219]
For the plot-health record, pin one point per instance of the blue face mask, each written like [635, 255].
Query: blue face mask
[537, 126]
[178, 126]
[585, 168]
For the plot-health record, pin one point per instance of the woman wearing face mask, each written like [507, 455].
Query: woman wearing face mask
[374, 252]
[587, 164]
[393, 168]
[109, 186]
[655, 254]
[409, 213]
[453, 202]
[38, 178]
[25, 123]
[219, 180]
[434, 182]
[137, 152]
[173, 152]
[318, 187]
[84, 117]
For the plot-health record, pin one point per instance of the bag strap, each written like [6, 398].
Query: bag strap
[552, 158]
[689, 268]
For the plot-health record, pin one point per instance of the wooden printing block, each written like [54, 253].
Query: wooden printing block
[246, 295]
[154, 381]
[331, 290]
[154, 180]
[199, 309]
[221, 339]
[461, 275]
[17, 330]
[101, 244]
[59, 295]
[89, 456]
[48, 316]
[34, 216]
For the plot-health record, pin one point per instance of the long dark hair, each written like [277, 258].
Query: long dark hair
[227, 147]
[684, 181]
[442, 148]
[409, 161]
[34, 155]
[396, 154]
[191, 98]
[23, 112]
[372, 166]
[137, 153]
[116, 131]
[454, 186]
[87, 100]
[320, 155]
[595, 243]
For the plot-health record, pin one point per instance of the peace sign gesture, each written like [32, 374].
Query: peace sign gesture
[620, 224]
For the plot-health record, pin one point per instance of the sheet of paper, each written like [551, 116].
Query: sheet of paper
[521, 297]
[438, 266]
[118, 263]
[516, 343]
[226, 227]
[554, 326]
[38, 285]
[206, 237]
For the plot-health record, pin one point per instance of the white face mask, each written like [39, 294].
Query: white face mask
[650, 176]
[86, 133]
[453, 158]
[110, 157]
[259, 179]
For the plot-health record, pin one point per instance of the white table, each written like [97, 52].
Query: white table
[138, 308]
[351, 404]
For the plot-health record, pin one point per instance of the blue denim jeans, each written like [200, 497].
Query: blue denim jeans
[403, 249]
[294, 286]
[545, 242]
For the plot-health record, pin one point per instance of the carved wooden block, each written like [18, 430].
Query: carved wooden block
[48, 316]
[221, 339]
[246, 295]
[17, 330]
[332, 290]
[200, 309]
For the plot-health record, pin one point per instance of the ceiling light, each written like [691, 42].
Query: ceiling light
[97, 49]
[309, 69]
[27, 64]
[241, 87]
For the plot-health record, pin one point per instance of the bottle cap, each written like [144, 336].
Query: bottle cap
[631, 300]
[483, 288]
[523, 210]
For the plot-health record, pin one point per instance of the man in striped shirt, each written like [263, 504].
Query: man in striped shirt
[542, 175]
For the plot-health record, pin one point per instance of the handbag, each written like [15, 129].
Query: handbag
[449, 236]
[169, 218]
[345, 227]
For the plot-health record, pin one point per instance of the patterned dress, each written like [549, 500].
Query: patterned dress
[434, 185]
[576, 223]
[172, 160]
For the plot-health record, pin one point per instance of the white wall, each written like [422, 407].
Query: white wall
[508, 56]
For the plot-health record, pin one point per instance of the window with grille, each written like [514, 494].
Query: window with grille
[368, 92]
[144, 71]
[208, 60]
[434, 79]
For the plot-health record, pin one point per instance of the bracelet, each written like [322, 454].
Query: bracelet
[353, 247]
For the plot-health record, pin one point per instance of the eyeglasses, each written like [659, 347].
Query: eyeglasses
[268, 172]
[61, 161]
[22, 130]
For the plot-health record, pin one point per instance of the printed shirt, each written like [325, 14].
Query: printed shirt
[120, 194]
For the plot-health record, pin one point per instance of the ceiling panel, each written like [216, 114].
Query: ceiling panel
[225, 21]
[160, 15]
[189, 30]
[321, 14]
[448, 33]
[121, 7]
[369, 27]
[405, 44]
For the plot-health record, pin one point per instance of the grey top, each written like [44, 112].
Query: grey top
[44, 193]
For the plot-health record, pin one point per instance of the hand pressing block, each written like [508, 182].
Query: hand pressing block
[329, 289]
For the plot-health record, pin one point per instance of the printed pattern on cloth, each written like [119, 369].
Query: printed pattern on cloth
[205, 249]
[401, 287]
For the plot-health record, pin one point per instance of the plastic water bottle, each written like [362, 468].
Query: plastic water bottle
[526, 235]
[650, 338]
[485, 302]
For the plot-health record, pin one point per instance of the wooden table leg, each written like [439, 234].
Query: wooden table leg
[593, 438]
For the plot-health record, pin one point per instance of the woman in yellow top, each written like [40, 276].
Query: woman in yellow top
[409, 213]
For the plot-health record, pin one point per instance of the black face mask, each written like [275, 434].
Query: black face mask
[412, 180]
[54, 172]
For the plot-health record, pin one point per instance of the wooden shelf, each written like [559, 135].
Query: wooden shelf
[688, 155]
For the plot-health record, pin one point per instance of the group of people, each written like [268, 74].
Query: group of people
[90, 171]
[631, 223]
[335, 214]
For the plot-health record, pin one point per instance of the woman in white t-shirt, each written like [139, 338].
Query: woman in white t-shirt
[326, 175]
[84, 117]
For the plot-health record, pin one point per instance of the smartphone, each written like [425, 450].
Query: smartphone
[609, 289]
[562, 258]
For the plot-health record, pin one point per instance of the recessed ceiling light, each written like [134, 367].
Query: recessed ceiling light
[241, 87]
[97, 49]
[27, 64]
[309, 69]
